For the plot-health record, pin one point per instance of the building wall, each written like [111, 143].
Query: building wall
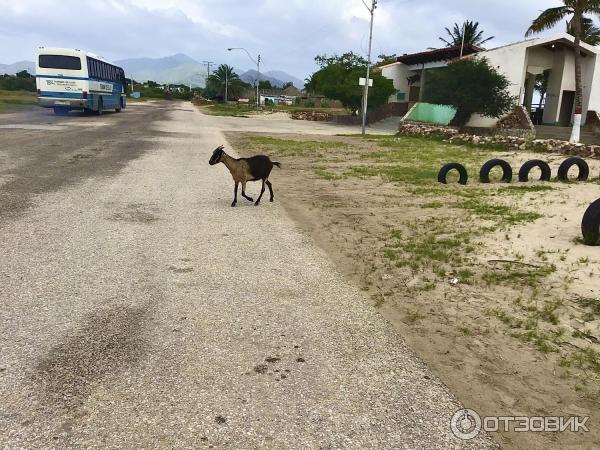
[398, 73]
[510, 61]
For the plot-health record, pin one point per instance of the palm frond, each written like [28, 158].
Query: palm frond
[548, 19]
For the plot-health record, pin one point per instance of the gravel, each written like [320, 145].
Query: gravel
[140, 310]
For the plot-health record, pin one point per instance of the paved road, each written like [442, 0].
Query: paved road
[138, 309]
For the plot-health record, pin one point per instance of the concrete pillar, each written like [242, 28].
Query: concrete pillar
[529, 88]
[422, 83]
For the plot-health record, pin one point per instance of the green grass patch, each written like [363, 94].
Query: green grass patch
[228, 110]
[327, 175]
[290, 147]
[11, 99]
[586, 359]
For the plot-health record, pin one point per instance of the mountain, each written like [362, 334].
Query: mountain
[175, 69]
[283, 76]
[13, 68]
[275, 77]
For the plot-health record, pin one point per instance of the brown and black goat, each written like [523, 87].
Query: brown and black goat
[246, 169]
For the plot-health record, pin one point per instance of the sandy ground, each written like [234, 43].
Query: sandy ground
[449, 325]
[139, 309]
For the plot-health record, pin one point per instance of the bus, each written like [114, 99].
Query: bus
[70, 79]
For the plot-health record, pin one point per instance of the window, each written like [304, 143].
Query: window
[60, 62]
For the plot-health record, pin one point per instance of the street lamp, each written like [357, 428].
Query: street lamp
[257, 62]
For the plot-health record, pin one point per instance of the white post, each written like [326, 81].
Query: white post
[366, 90]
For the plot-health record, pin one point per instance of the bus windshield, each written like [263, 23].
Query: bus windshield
[60, 62]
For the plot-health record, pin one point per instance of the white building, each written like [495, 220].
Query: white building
[520, 62]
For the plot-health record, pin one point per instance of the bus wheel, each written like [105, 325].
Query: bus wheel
[118, 108]
[99, 112]
[61, 111]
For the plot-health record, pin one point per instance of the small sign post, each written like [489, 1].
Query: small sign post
[362, 81]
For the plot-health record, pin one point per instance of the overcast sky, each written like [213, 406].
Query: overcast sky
[287, 33]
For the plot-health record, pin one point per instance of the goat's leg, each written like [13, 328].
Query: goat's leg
[235, 194]
[250, 199]
[262, 191]
[270, 189]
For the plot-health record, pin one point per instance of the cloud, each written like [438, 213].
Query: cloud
[288, 34]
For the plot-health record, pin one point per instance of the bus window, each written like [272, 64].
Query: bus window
[60, 62]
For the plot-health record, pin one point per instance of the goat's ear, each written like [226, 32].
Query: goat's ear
[220, 147]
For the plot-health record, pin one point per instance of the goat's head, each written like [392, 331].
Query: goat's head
[216, 156]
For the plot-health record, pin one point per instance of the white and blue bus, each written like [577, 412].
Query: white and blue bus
[69, 79]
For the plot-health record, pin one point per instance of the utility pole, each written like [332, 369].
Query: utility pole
[257, 83]
[226, 79]
[208, 64]
[462, 45]
[366, 90]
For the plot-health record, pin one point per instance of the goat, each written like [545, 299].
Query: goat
[246, 169]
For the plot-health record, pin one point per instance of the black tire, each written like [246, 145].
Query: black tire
[462, 172]
[120, 107]
[563, 169]
[484, 173]
[526, 168]
[59, 111]
[590, 224]
[100, 106]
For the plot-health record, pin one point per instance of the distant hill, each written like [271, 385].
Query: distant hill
[174, 69]
[13, 68]
[283, 76]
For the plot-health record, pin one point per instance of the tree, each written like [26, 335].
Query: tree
[338, 79]
[217, 81]
[590, 34]
[386, 59]
[541, 84]
[287, 85]
[471, 86]
[472, 34]
[24, 74]
[265, 84]
[548, 19]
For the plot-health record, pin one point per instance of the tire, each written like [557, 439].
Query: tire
[484, 173]
[120, 107]
[526, 168]
[60, 111]
[443, 173]
[563, 169]
[100, 106]
[590, 224]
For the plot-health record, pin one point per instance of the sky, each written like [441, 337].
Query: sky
[287, 33]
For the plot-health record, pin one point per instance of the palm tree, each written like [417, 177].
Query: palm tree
[548, 19]
[590, 33]
[225, 82]
[472, 35]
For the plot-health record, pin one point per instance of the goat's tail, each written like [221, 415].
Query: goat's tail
[275, 163]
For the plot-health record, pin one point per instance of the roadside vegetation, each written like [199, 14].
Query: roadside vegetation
[14, 99]
[472, 275]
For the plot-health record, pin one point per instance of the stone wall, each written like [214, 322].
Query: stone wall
[454, 135]
[383, 112]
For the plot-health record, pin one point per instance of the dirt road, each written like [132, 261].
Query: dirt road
[138, 309]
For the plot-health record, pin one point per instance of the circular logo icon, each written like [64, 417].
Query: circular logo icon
[465, 424]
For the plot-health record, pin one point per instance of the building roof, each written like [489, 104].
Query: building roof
[438, 54]
[563, 38]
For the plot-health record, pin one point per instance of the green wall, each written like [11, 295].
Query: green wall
[427, 112]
